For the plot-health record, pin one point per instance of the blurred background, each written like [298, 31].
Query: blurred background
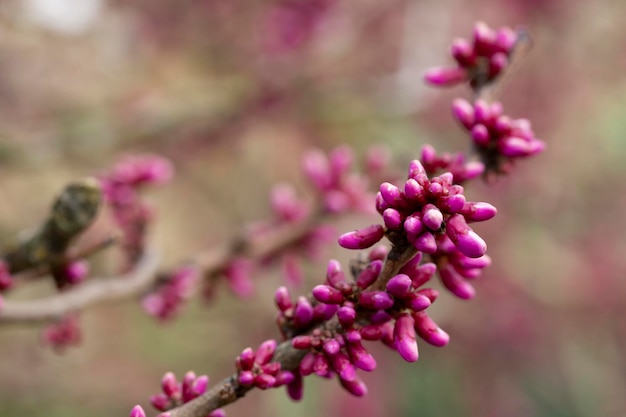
[233, 92]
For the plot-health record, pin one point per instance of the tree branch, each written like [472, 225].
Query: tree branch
[95, 291]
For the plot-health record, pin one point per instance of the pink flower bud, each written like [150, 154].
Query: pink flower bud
[137, 411]
[392, 218]
[246, 359]
[328, 295]
[317, 168]
[295, 387]
[464, 238]
[480, 135]
[432, 217]
[404, 338]
[445, 76]
[360, 357]
[320, 365]
[303, 313]
[334, 274]
[301, 342]
[399, 285]
[264, 381]
[284, 378]
[369, 274]
[331, 346]
[416, 170]
[355, 387]
[343, 367]
[306, 365]
[282, 298]
[170, 385]
[463, 52]
[463, 111]
[413, 191]
[265, 352]
[363, 238]
[160, 401]
[376, 300]
[428, 330]
[199, 385]
[478, 211]
[425, 242]
[346, 316]
[246, 378]
[465, 262]
[76, 272]
[418, 302]
[455, 283]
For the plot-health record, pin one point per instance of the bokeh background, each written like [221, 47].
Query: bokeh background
[233, 92]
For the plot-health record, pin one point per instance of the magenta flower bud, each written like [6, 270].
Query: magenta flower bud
[271, 368]
[284, 378]
[187, 384]
[160, 401]
[168, 414]
[392, 218]
[336, 201]
[451, 204]
[346, 316]
[418, 302]
[478, 211]
[416, 170]
[445, 76]
[200, 385]
[413, 226]
[425, 242]
[399, 285]
[377, 159]
[246, 378]
[324, 312]
[316, 167]
[514, 147]
[369, 274]
[430, 293]
[331, 346]
[480, 135]
[468, 273]
[506, 38]
[355, 387]
[391, 194]
[246, 359]
[483, 36]
[303, 313]
[342, 365]
[463, 111]
[137, 411]
[497, 63]
[435, 189]
[265, 352]
[340, 161]
[75, 272]
[320, 365]
[462, 52]
[334, 274]
[428, 330]
[413, 191]
[295, 387]
[473, 169]
[464, 238]
[306, 365]
[423, 274]
[362, 238]
[376, 300]
[217, 413]
[282, 298]
[380, 203]
[428, 155]
[169, 385]
[468, 263]
[301, 342]
[379, 253]
[381, 316]
[352, 336]
[482, 112]
[371, 332]
[455, 283]
[360, 357]
[432, 218]
[328, 295]
[404, 338]
[264, 381]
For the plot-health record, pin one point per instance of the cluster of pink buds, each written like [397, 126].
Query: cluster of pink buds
[456, 269]
[461, 169]
[301, 315]
[423, 212]
[176, 393]
[256, 369]
[121, 189]
[497, 138]
[480, 61]
[63, 334]
[340, 191]
[169, 297]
